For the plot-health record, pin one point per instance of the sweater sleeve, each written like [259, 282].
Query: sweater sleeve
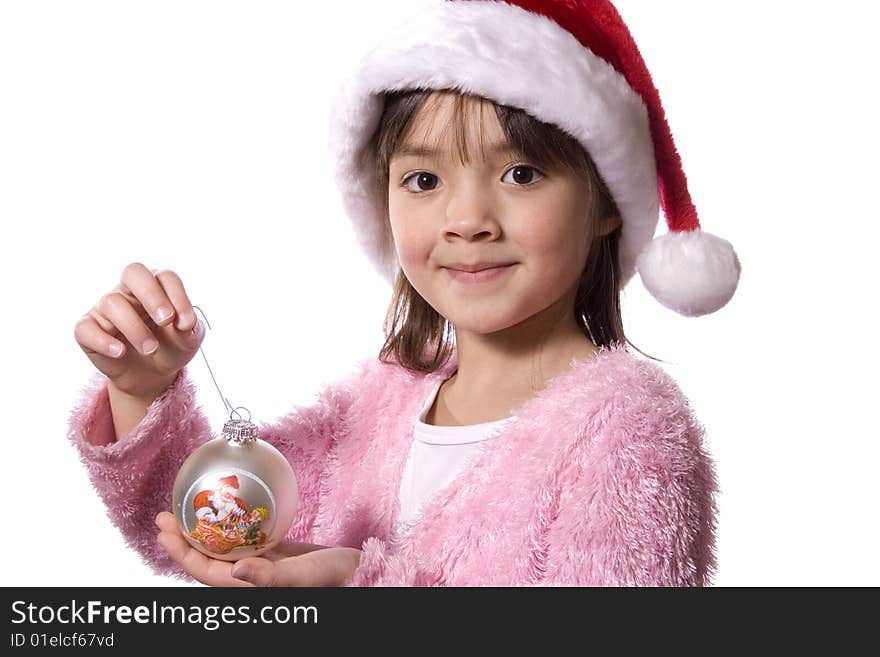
[640, 507]
[135, 475]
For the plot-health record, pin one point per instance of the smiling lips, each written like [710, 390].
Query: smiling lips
[479, 266]
[478, 273]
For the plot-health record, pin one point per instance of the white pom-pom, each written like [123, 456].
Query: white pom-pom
[691, 272]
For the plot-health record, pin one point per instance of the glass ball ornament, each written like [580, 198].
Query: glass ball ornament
[236, 495]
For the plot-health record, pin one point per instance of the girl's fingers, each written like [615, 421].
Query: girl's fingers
[258, 571]
[323, 567]
[166, 522]
[286, 549]
[142, 285]
[92, 337]
[105, 324]
[192, 561]
[212, 572]
[183, 310]
[116, 308]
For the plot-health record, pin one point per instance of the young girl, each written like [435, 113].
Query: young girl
[504, 164]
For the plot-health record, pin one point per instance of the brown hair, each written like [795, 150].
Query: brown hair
[411, 323]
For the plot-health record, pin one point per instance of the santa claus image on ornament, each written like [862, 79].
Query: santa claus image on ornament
[221, 506]
[224, 520]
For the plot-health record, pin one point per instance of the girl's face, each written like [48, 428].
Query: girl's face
[445, 215]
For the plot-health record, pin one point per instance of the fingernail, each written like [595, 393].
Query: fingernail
[241, 572]
[115, 349]
[163, 313]
[184, 319]
[199, 330]
[149, 346]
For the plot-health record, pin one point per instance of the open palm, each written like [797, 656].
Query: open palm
[288, 564]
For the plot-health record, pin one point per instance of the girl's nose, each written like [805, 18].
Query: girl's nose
[470, 214]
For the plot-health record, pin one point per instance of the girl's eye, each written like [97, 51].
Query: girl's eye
[429, 181]
[522, 175]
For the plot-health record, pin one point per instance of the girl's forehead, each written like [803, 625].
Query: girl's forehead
[441, 127]
[427, 150]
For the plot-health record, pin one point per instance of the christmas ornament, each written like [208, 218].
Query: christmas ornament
[236, 495]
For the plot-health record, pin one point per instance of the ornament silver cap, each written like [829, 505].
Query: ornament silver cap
[239, 431]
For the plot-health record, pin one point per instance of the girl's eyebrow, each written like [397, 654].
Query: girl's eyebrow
[413, 150]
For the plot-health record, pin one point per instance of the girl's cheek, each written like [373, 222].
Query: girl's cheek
[406, 255]
[413, 246]
[413, 257]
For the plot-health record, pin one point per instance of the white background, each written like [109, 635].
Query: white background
[192, 136]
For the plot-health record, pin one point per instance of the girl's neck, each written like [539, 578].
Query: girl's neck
[488, 368]
[507, 367]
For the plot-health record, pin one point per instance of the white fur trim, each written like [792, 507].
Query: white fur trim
[691, 272]
[486, 48]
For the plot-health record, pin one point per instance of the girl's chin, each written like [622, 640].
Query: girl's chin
[475, 319]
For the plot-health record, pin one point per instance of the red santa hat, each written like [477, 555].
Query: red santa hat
[231, 480]
[569, 63]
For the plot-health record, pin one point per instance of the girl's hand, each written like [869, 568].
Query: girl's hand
[289, 564]
[152, 345]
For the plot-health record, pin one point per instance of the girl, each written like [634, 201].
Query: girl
[503, 164]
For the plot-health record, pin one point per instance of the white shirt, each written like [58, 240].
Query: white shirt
[437, 455]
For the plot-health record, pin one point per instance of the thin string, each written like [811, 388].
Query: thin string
[232, 411]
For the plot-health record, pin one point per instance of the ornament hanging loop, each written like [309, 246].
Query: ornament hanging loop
[220, 392]
[236, 413]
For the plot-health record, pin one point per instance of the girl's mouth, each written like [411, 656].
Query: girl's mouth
[482, 276]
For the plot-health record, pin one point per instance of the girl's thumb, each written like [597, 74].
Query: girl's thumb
[198, 332]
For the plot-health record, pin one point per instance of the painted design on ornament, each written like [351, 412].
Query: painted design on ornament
[224, 520]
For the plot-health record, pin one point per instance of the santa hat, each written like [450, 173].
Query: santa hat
[231, 480]
[571, 64]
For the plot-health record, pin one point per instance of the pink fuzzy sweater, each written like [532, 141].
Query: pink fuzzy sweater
[602, 480]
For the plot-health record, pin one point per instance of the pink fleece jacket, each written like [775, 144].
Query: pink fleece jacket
[602, 480]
